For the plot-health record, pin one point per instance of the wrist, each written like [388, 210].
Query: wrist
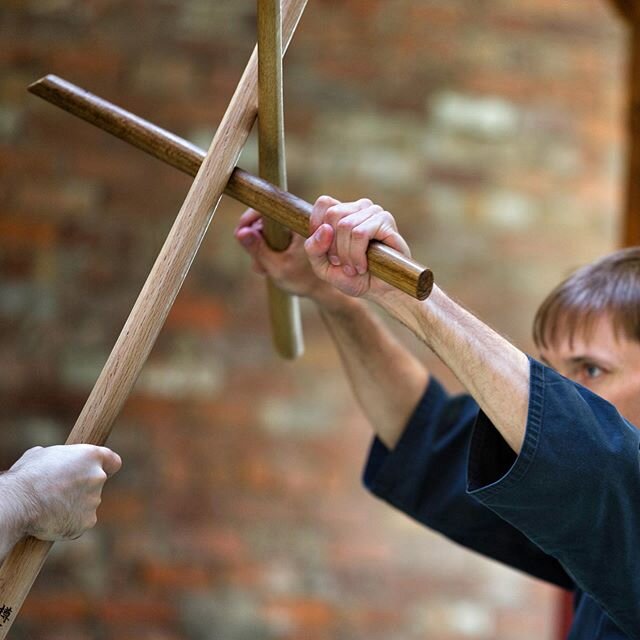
[398, 305]
[328, 298]
[18, 508]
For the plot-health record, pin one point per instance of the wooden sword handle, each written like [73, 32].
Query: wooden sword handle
[150, 310]
[281, 206]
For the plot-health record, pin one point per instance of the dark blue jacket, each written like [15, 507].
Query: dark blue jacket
[566, 510]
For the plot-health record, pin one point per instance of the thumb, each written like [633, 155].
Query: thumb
[318, 245]
[249, 239]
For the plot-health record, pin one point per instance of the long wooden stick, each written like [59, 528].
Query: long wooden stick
[284, 309]
[631, 220]
[285, 208]
[151, 308]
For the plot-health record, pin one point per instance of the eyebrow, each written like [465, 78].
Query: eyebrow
[577, 360]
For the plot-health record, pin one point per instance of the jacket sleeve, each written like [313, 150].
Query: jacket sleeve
[425, 477]
[574, 489]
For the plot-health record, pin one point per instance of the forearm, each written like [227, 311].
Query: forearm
[494, 372]
[386, 378]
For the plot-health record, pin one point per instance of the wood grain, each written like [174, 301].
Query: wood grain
[626, 8]
[152, 306]
[275, 203]
[631, 212]
[284, 309]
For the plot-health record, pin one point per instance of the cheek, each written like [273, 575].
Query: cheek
[627, 402]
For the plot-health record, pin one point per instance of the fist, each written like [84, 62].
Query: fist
[60, 488]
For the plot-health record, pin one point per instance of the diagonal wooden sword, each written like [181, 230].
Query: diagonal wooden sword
[22, 565]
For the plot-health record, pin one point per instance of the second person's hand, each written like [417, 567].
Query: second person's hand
[289, 269]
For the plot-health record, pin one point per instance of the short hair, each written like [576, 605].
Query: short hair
[609, 287]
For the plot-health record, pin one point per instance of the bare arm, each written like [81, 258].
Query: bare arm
[495, 372]
[386, 378]
[492, 370]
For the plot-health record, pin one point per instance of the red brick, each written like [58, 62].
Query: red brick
[16, 232]
[175, 576]
[199, 313]
[304, 613]
[211, 498]
[135, 610]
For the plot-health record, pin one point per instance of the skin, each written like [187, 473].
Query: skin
[333, 272]
[373, 358]
[601, 360]
[53, 493]
[387, 379]
[495, 372]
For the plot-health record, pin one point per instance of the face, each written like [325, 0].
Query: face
[607, 365]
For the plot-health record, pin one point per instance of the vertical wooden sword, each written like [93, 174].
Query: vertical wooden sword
[284, 309]
[150, 310]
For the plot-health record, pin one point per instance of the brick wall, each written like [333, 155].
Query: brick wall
[491, 128]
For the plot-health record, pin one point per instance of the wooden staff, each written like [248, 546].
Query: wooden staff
[141, 329]
[284, 309]
[631, 220]
[282, 207]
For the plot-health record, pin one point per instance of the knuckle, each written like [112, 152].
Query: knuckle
[90, 522]
[388, 217]
[332, 217]
[365, 202]
[360, 234]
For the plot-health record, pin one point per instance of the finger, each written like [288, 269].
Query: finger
[342, 209]
[249, 238]
[317, 246]
[111, 461]
[376, 228]
[334, 215]
[350, 255]
[248, 218]
[319, 210]
[254, 243]
[379, 226]
[397, 242]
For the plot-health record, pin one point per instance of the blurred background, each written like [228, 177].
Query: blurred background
[491, 128]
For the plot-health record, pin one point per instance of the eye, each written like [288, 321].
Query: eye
[592, 371]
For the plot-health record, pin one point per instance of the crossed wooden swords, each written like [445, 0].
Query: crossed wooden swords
[215, 173]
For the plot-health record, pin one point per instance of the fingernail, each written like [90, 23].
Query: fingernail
[361, 270]
[349, 270]
[334, 260]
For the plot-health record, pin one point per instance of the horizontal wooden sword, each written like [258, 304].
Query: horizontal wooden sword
[279, 205]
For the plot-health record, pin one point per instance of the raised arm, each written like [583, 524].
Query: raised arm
[373, 358]
[577, 463]
[494, 372]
